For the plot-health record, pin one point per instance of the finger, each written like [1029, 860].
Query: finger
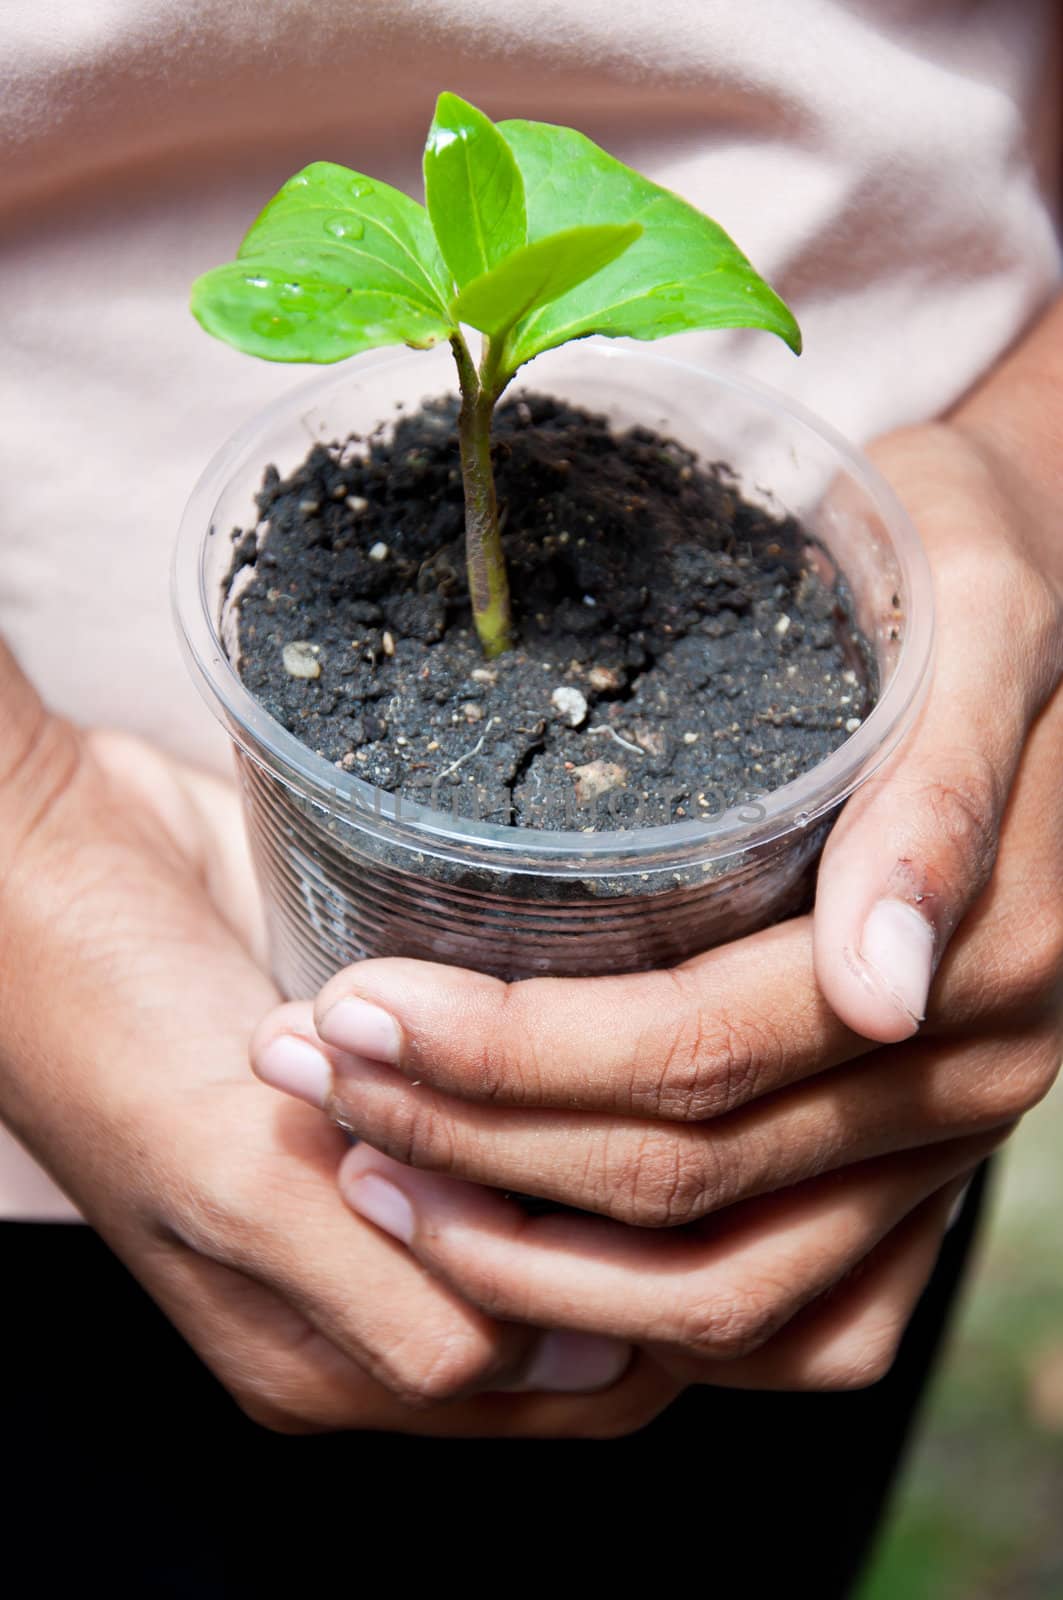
[289, 1378]
[655, 1174]
[714, 1291]
[849, 1338]
[914, 848]
[286, 1226]
[685, 1044]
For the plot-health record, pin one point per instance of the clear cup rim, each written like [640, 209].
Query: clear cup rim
[791, 807]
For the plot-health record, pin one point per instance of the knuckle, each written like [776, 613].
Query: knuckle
[275, 1418]
[726, 1326]
[275, 1391]
[427, 1372]
[706, 1069]
[698, 1065]
[664, 1181]
[860, 1366]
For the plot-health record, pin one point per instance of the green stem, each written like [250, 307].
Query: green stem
[488, 584]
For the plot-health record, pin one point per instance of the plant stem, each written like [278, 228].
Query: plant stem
[488, 584]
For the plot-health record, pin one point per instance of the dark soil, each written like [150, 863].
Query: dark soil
[706, 647]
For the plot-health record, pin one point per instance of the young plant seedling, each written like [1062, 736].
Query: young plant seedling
[530, 234]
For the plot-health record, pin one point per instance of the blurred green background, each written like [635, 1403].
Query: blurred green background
[979, 1511]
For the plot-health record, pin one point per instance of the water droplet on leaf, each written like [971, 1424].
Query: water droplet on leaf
[360, 188]
[344, 227]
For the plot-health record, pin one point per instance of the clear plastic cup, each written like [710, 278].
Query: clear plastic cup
[347, 872]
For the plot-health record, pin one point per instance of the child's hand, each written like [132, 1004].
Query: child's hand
[127, 913]
[768, 1064]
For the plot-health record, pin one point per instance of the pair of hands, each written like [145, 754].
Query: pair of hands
[777, 1096]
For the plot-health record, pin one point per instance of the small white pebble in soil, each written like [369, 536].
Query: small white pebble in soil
[402, 739]
[588, 599]
[690, 738]
[852, 724]
[388, 644]
[357, 503]
[308, 507]
[484, 675]
[379, 551]
[605, 679]
[300, 659]
[849, 676]
[433, 744]
[472, 712]
[596, 778]
[783, 624]
[570, 705]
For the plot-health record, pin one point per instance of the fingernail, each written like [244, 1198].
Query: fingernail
[898, 945]
[570, 1363]
[296, 1066]
[381, 1202]
[362, 1030]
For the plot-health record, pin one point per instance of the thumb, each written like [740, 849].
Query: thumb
[914, 848]
[903, 865]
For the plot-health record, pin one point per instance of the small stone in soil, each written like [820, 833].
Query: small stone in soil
[606, 680]
[300, 659]
[570, 705]
[596, 778]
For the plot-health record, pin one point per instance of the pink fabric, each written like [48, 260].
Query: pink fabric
[888, 164]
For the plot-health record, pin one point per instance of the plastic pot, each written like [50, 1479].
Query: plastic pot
[346, 872]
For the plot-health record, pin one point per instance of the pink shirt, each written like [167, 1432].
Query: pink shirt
[890, 165]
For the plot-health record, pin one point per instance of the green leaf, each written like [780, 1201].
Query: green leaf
[293, 307]
[683, 273]
[473, 188]
[540, 273]
[335, 264]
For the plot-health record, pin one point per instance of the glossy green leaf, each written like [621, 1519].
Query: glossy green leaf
[541, 273]
[294, 307]
[335, 264]
[683, 273]
[473, 189]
